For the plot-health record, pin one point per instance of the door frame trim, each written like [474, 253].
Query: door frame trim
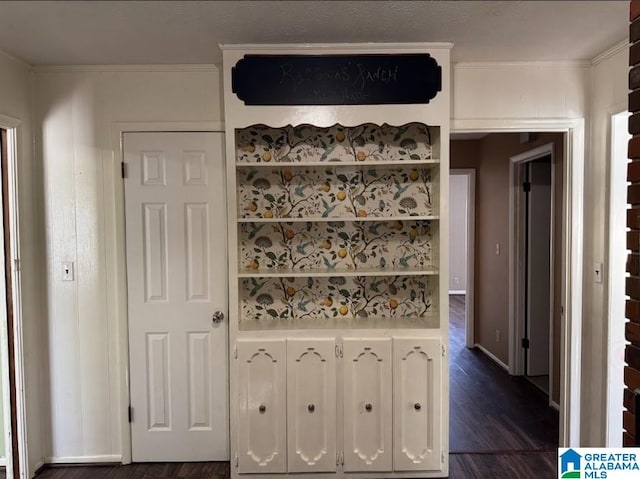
[14, 137]
[470, 220]
[118, 290]
[572, 253]
[517, 281]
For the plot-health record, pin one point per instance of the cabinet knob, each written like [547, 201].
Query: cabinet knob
[311, 407]
[262, 408]
[417, 406]
[368, 407]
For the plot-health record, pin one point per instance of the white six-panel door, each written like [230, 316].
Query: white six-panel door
[176, 274]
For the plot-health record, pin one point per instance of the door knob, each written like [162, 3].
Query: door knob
[417, 406]
[217, 317]
[368, 407]
[311, 408]
[262, 408]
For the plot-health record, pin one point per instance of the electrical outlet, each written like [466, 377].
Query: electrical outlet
[67, 271]
[497, 335]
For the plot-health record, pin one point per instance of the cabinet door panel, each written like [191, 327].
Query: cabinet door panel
[311, 410]
[262, 406]
[367, 405]
[417, 404]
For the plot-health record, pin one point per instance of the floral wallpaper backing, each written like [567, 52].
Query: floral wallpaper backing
[336, 245]
[334, 192]
[308, 143]
[337, 297]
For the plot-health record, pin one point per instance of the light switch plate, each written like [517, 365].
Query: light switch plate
[67, 271]
[597, 272]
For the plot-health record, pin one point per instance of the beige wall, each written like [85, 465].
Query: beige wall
[490, 157]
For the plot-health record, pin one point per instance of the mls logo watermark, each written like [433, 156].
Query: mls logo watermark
[598, 463]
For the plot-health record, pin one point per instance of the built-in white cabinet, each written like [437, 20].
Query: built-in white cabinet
[311, 405]
[338, 262]
[417, 373]
[368, 400]
[390, 396]
[262, 414]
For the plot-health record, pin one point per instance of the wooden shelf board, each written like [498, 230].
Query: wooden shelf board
[368, 164]
[344, 218]
[324, 272]
[426, 322]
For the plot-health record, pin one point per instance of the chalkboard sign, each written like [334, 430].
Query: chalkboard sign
[336, 79]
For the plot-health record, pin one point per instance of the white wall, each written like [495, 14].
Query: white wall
[15, 101]
[75, 113]
[533, 91]
[518, 90]
[458, 233]
[609, 95]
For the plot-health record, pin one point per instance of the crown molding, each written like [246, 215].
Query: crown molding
[127, 68]
[16, 59]
[336, 47]
[550, 65]
[614, 50]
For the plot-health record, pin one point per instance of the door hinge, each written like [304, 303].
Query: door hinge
[130, 414]
[526, 186]
[16, 265]
[444, 350]
[338, 350]
[123, 169]
[235, 351]
[525, 343]
[339, 459]
[235, 459]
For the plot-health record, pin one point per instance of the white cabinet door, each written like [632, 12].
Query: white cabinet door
[367, 405]
[311, 405]
[176, 258]
[262, 406]
[417, 407]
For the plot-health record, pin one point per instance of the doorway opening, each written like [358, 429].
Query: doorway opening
[13, 454]
[532, 264]
[498, 178]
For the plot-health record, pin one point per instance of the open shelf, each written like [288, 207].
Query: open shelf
[311, 193]
[430, 321]
[327, 273]
[342, 247]
[307, 143]
[341, 218]
[339, 164]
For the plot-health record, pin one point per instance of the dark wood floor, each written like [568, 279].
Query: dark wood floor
[501, 427]
[492, 411]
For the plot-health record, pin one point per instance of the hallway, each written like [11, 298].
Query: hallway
[491, 410]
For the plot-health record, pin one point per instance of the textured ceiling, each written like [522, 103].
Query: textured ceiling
[164, 32]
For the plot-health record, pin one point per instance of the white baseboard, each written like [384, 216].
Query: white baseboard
[492, 356]
[457, 291]
[36, 467]
[3, 462]
[83, 459]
